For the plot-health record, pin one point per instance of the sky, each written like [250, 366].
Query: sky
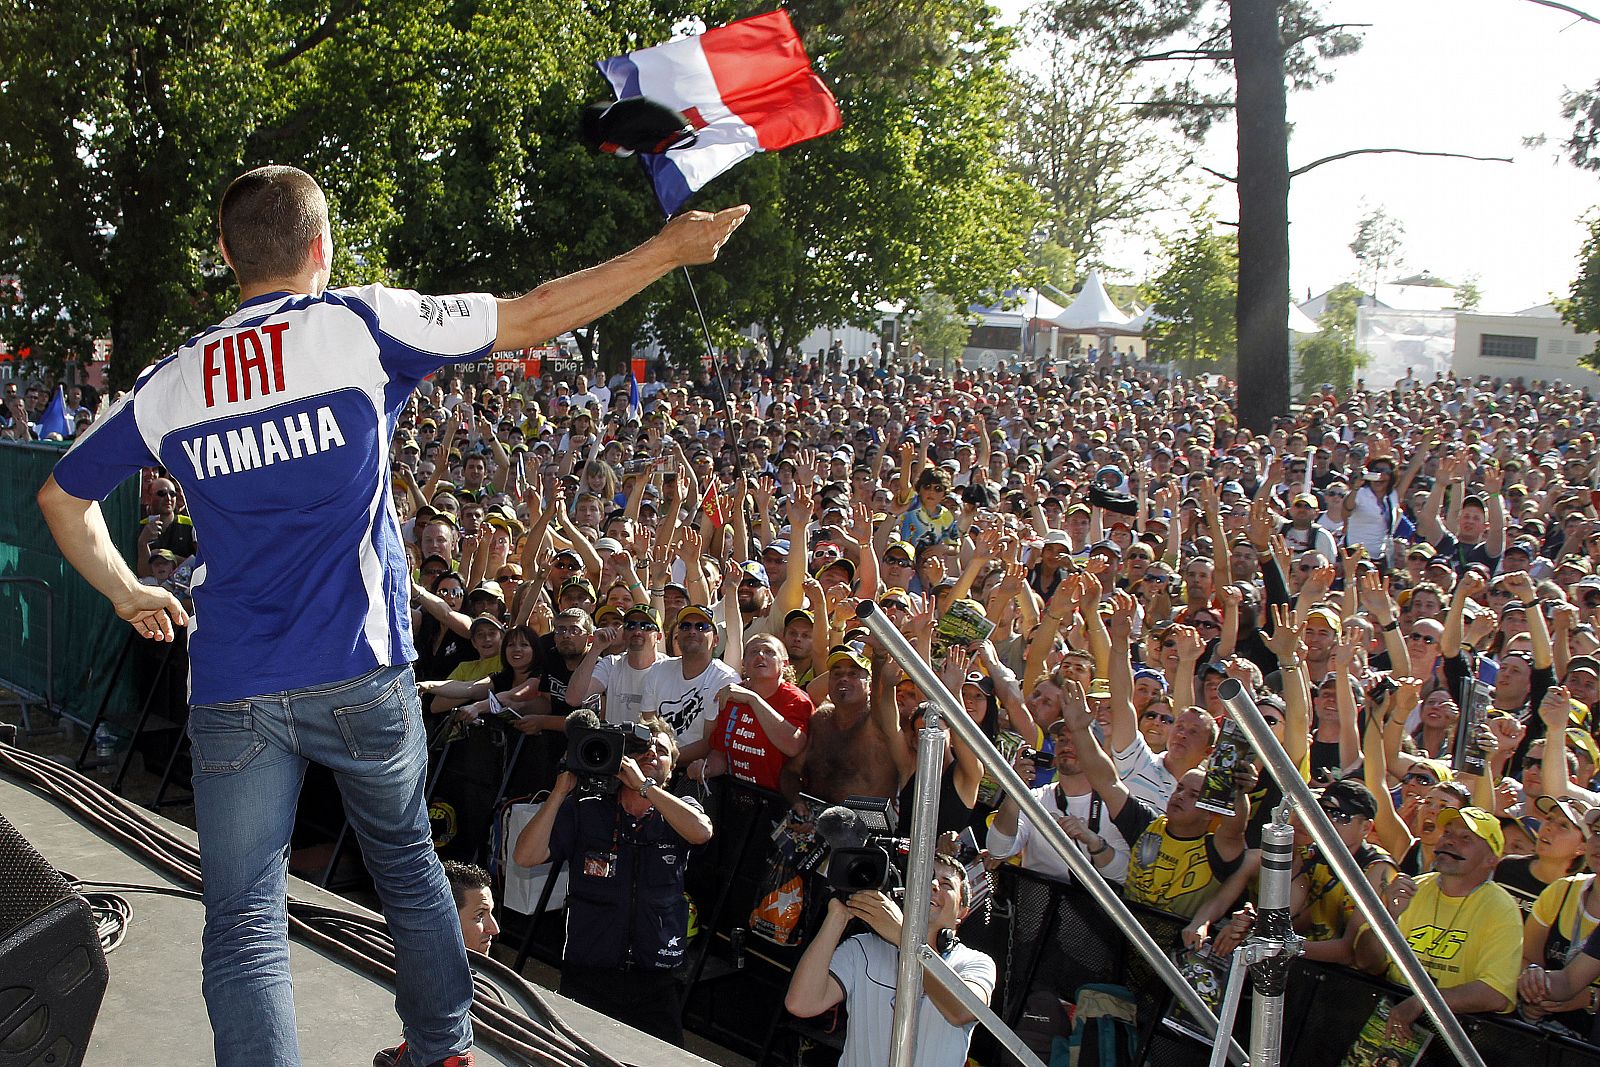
[1471, 76]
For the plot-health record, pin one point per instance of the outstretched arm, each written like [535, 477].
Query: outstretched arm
[566, 303]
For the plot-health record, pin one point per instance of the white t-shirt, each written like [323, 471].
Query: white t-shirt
[1145, 773]
[688, 704]
[865, 966]
[623, 686]
[1043, 858]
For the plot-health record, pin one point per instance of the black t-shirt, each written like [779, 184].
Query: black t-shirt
[1463, 556]
[1515, 873]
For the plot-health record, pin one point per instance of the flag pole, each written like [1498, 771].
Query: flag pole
[722, 386]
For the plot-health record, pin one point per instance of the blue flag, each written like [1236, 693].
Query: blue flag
[635, 407]
[54, 419]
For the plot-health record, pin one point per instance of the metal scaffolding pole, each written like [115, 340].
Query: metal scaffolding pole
[1320, 827]
[919, 889]
[1045, 827]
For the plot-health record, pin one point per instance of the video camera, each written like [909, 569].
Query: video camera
[595, 749]
[863, 851]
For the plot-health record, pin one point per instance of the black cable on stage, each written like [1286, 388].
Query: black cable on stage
[551, 1042]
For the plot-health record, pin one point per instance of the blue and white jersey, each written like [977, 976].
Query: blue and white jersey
[276, 422]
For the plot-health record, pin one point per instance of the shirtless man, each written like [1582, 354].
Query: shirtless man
[846, 752]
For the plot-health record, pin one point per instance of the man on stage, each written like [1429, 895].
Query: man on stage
[276, 424]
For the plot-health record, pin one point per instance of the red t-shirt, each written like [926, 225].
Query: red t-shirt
[752, 757]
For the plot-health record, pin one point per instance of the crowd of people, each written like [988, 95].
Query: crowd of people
[1378, 569]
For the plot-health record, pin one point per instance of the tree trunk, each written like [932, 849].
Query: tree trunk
[1262, 312]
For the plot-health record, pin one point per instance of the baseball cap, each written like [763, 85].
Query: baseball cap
[647, 611]
[577, 581]
[780, 545]
[1306, 498]
[486, 620]
[1571, 809]
[608, 544]
[491, 587]
[896, 596]
[1099, 687]
[1329, 617]
[850, 568]
[568, 552]
[1058, 537]
[979, 681]
[849, 654]
[607, 611]
[752, 569]
[695, 611]
[1483, 826]
[799, 613]
[164, 553]
[1349, 797]
[1422, 550]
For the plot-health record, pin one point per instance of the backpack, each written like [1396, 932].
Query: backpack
[1104, 1031]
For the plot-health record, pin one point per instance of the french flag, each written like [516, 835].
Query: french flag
[746, 87]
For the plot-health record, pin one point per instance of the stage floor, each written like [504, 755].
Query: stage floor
[153, 1011]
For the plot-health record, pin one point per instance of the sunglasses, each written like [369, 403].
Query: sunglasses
[1341, 817]
[752, 583]
[698, 627]
[1207, 624]
[636, 624]
[1427, 639]
[564, 565]
[1156, 716]
[1419, 779]
[163, 493]
[452, 592]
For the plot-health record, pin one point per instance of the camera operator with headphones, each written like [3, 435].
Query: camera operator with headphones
[861, 972]
[626, 842]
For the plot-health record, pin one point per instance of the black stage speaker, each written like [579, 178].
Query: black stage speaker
[52, 971]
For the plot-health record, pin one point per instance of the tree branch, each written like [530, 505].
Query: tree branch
[324, 30]
[1584, 15]
[1315, 163]
[1198, 105]
[1188, 54]
[1319, 31]
[1229, 178]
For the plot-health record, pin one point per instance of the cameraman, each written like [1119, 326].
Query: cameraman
[861, 972]
[627, 918]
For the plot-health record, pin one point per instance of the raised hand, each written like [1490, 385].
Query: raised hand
[1187, 642]
[1284, 641]
[1555, 710]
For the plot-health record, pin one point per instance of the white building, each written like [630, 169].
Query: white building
[1531, 344]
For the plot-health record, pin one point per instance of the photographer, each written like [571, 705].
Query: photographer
[861, 973]
[627, 919]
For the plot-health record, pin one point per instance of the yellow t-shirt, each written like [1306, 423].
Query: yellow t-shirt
[474, 669]
[1328, 906]
[1475, 938]
[1174, 874]
[1560, 910]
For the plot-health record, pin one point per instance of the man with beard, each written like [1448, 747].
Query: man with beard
[1082, 813]
[754, 595]
[1465, 929]
[683, 689]
[846, 751]
[619, 676]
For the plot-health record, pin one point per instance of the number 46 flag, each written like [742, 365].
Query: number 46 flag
[746, 87]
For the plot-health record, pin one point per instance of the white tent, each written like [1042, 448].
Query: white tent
[1300, 322]
[1093, 312]
[1017, 307]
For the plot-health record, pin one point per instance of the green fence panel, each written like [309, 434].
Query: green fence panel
[88, 636]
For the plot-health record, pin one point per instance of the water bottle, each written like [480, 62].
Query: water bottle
[105, 744]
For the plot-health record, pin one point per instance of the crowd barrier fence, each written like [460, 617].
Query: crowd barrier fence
[62, 647]
[1057, 939]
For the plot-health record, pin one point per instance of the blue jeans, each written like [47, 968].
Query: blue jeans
[250, 758]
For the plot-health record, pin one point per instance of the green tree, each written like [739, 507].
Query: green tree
[1580, 309]
[1260, 49]
[1194, 297]
[941, 327]
[1376, 246]
[1469, 294]
[1095, 162]
[1330, 355]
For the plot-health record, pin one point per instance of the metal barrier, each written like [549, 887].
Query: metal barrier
[1053, 923]
[25, 698]
[909, 988]
[1244, 711]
